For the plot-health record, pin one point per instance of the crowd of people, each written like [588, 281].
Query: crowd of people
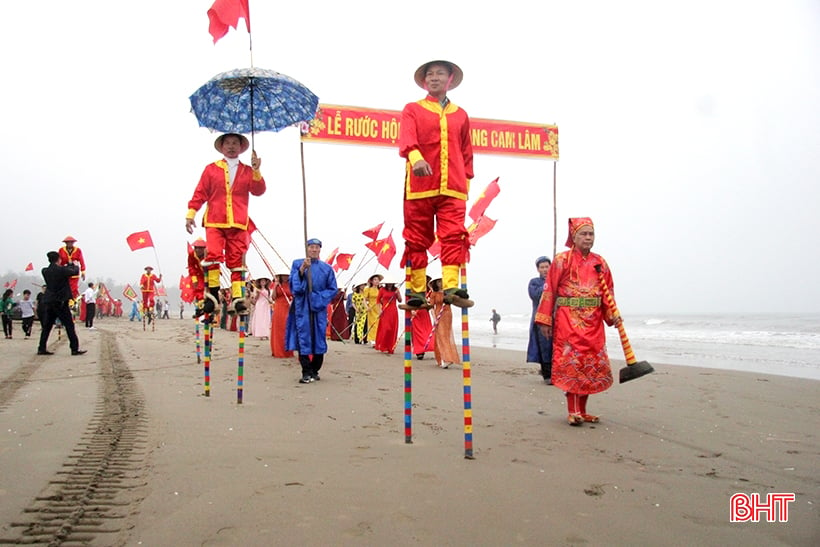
[299, 310]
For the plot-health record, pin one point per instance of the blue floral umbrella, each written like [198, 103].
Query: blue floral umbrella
[246, 100]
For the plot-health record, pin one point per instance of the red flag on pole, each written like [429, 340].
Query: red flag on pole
[226, 13]
[487, 196]
[10, 284]
[332, 256]
[373, 232]
[159, 290]
[387, 250]
[129, 292]
[29, 267]
[139, 240]
[480, 228]
[343, 261]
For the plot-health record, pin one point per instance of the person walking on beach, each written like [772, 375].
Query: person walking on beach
[226, 185]
[90, 299]
[135, 311]
[539, 347]
[27, 312]
[495, 318]
[313, 284]
[6, 307]
[445, 349]
[580, 364]
[435, 140]
[56, 298]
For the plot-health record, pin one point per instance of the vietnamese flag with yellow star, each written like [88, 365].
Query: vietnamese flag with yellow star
[139, 240]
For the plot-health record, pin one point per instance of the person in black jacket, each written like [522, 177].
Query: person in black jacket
[58, 293]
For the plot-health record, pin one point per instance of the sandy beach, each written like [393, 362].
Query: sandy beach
[120, 447]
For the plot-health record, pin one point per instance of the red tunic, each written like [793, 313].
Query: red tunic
[227, 203]
[197, 275]
[388, 329]
[67, 256]
[579, 359]
[282, 298]
[442, 137]
[147, 282]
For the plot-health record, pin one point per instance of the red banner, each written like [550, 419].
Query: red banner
[367, 126]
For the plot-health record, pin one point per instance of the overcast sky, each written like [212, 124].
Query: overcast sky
[688, 132]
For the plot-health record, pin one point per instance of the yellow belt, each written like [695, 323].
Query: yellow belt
[578, 302]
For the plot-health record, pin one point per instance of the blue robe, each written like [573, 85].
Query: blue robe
[539, 349]
[307, 317]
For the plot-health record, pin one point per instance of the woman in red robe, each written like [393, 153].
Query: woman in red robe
[388, 329]
[580, 364]
[282, 298]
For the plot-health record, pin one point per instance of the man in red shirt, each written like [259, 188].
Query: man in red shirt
[197, 274]
[68, 254]
[435, 140]
[148, 283]
[225, 186]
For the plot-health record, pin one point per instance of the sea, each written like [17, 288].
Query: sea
[780, 344]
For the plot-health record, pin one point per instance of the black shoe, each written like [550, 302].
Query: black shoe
[419, 356]
[44, 352]
[78, 352]
[314, 377]
[305, 379]
[461, 293]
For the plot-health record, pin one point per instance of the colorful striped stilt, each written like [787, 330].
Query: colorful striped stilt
[196, 337]
[240, 364]
[206, 360]
[240, 370]
[466, 374]
[408, 363]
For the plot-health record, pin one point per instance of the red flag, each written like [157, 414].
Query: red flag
[129, 292]
[29, 267]
[226, 13]
[386, 251]
[343, 261]
[487, 196]
[10, 284]
[139, 240]
[332, 256]
[480, 228]
[373, 232]
[159, 290]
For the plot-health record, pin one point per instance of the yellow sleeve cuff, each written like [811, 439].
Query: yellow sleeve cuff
[414, 156]
[191, 214]
[257, 175]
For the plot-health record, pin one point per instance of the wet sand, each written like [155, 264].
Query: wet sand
[327, 463]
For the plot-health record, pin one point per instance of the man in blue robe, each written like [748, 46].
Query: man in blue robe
[313, 284]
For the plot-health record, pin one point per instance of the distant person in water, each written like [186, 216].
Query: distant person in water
[495, 318]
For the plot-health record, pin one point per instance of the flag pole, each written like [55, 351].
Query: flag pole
[554, 207]
[304, 190]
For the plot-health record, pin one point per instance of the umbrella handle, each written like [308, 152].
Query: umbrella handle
[629, 355]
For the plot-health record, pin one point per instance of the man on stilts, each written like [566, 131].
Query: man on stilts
[435, 141]
[225, 186]
[195, 257]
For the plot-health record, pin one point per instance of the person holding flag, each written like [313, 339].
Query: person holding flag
[68, 254]
[225, 186]
[435, 140]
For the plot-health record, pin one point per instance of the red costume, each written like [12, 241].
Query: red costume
[226, 217]
[66, 257]
[388, 329]
[148, 287]
[422, 324]
[197, 275]
[580, 364]
[282, 298]
[440, 135]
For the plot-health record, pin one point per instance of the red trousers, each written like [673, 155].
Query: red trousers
[148, 300]
[425, 217]
[226, 245]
